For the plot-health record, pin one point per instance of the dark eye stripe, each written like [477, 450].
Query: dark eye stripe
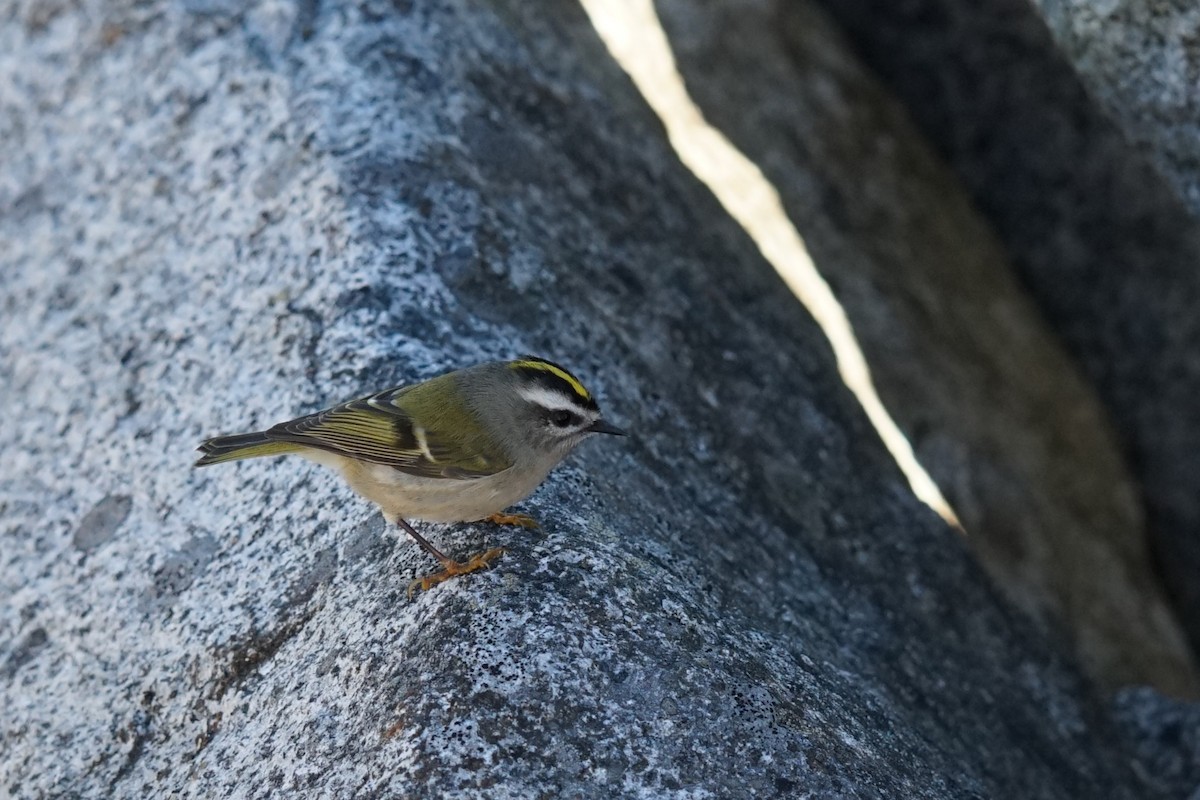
[562, 418]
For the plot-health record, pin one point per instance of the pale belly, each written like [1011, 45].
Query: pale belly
[404, 496]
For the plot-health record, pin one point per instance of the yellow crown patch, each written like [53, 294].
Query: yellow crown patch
[534, 363]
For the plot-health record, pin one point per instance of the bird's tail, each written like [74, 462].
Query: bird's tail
[242, 445]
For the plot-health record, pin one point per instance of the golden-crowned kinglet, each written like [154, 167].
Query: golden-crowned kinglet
[460, 447]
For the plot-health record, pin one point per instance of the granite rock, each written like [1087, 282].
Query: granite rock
[995, 409]
[214, 218]
[1103, 241]
[1141, 62]
[1165, 734]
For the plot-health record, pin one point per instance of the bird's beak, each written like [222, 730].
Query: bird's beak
[600, 426]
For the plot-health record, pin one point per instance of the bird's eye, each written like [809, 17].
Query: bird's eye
[561, 418]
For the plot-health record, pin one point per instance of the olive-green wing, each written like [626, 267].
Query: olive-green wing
[380, 429]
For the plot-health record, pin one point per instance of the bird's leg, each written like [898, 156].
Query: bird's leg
[450, 567]
[524, 520]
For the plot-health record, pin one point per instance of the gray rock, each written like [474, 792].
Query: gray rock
[744, 599]
[1100, 238]
[101, 523]
[1165, 734]
[994, 408]
[1141, 61]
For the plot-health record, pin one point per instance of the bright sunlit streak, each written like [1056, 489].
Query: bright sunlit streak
[631, 31]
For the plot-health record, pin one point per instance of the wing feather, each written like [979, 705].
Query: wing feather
[378, 429]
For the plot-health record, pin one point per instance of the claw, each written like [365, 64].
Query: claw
[453, 568]
[524, 520]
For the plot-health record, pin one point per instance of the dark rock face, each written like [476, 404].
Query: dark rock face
[995, 409]
[1140, 61]
[1103, 241]
[1165, 734]
[743, 600]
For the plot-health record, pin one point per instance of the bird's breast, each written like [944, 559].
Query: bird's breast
[399, 494]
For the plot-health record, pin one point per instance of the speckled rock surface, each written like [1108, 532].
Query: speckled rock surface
[1100, 238]
[1141, 61]
[995, 409]
[216, 215]
[1166, 736]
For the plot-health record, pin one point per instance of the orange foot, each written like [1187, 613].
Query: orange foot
[452, 568]
[524, 520]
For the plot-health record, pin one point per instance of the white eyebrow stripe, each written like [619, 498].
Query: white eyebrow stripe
[555, 401]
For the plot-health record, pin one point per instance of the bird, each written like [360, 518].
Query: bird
[460, 447]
